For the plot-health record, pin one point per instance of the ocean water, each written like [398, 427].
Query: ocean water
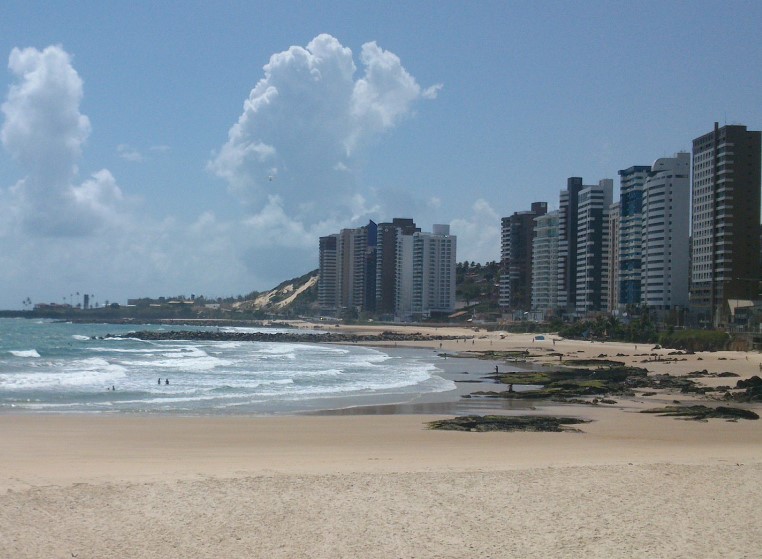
[48, 366]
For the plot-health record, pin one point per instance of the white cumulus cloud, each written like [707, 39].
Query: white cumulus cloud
[297, 146]
[478, 233]
[293, 158]
[44, 131]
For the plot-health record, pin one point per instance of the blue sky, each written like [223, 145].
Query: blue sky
[130, 166]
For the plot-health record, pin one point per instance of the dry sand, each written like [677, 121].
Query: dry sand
[629, 485]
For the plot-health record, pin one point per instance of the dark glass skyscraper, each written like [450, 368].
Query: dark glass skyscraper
[724, 220]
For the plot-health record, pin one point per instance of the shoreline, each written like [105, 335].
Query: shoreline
[378, 483]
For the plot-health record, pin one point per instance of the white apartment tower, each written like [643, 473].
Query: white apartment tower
[665, 246]
[433, 272]
[593, 245]
[545, 263]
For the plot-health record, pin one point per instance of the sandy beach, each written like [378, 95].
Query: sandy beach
[380, 484]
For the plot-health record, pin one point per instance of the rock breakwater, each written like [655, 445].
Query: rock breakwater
[289, 337]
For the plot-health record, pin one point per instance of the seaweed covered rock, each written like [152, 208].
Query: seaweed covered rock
[699, 412]
[752, 390]
[534, 423]
[753, 382]
[572, 383]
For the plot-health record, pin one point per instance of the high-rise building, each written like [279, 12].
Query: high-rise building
[567, 244]
[615, 218]
[392, 269]
[630, 232]
[665, 246]
[583, 246]
[389, 241]
[516, 258]
[348, 269]
[593, 245]
[433, 269]
[725, 199]
[545, 263]
[328, 281]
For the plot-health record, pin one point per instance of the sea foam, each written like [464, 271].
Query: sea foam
[25, 353]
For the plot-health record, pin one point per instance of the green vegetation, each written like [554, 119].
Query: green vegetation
[695, 340]
[478, 285]
[640, 329]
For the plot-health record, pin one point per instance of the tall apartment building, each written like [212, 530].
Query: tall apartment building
[629, 241]
[391, 268]
[328, 281]
[516, 258]
[615, 218]
[545, 263]
[356, 249]
[389, 242]
[403, 280]
[725, 195]
[593, 246]
[567, 244]
[665, 238]
[433, 270]
[348, 269]
[583, 246]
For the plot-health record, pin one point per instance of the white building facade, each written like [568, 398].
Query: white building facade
[593, 246]
[433, 272]
[665, 239]
[545, 263]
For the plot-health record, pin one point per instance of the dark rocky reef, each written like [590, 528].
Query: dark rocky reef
[701, 413]
[563, 385]
[751, 390]
[533, 423]
[329, 337]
